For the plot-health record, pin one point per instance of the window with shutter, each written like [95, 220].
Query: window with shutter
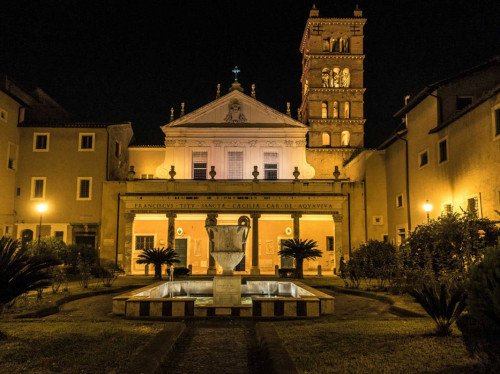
[200, 165]
[271, 165]
[235, 165]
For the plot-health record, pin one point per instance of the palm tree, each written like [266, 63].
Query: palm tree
[20, 272]
[300, 250]
[158, 257]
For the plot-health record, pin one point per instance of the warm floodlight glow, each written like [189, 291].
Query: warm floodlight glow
[427, 206]
[41, 207]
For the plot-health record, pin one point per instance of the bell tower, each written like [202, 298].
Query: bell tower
[332, 80]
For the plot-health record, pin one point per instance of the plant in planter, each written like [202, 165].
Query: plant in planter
[158, 257]
[442, 304]
[300, 250]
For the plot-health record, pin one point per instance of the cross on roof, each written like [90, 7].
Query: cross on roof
[236, 71]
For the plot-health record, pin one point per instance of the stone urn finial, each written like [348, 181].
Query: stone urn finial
[172, 172]
[296, 173]
[255, 173]
[336, 173]
[131, 173]
[212, 173]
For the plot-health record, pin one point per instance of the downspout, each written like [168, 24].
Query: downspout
[366, 212]
[107, 153]
[117, 229]
[407, 182]
[349, 221]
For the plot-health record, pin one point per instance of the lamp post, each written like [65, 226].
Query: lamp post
[41, 208]
[427, 208]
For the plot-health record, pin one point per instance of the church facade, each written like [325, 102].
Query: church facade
[307, 177]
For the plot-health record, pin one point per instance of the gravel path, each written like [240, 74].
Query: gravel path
[89, 308]
[216, 346]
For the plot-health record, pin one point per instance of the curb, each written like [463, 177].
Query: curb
[401, 312]
[276, 355]
[149, 358]
[44, 312]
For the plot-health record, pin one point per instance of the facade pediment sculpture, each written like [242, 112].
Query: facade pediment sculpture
[235, 115]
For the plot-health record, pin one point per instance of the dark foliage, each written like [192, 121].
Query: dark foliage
[442, 304]
[179, 271]
[20, 272]
[158, 257]
[300, 250]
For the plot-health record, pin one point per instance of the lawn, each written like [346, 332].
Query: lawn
[30, 303]
[71, 347]
[396, 345]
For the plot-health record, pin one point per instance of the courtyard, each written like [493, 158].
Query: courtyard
[362, 336]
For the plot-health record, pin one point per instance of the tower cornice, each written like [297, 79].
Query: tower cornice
[328, 21]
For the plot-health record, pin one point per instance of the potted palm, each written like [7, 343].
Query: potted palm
[300, 250]
[158, 257]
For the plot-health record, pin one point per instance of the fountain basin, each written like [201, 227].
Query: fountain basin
[195, 299]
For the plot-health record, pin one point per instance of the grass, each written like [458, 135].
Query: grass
[71, 347]
[30, 303]
[373, 346]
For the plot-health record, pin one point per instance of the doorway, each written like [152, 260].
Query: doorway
[181, 250]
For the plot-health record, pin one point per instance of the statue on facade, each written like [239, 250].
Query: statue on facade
[346, 78]
[326, 78]
[235, 115]
[335, 109]
[335, 77]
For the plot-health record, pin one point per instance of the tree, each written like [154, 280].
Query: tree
[158, 257]
[300, 250]
[20, 272]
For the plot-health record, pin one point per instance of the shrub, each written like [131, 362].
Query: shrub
[442, 304]
[481, 328]
[49, 247]
[109, 271]
[179, 271]
[20, 272]
[58, 278]
[446, 248]
[76, 254]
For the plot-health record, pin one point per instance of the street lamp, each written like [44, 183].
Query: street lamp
[427, 208]
[41, 209]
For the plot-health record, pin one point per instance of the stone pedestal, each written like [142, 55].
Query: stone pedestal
[227, 290]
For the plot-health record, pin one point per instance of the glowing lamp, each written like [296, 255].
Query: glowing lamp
[427, 206]
[41, 207]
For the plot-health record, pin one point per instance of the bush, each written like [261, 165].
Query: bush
[444, 250]
[50, 247]
[76, 254]
[109, 271]
[372, 260]
[481, 328]
[179, 271]
[443, 304]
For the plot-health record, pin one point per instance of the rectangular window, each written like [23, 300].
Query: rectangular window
[329, 243]
[473, 206]
[12, 156]
[235, 165]
[401, 236]
[3, 115]
[447, 208]
[399, 200]
[147, 176]
[59, 235]
[18, 191]
[497, 122]
[41, 142]
[200, 165]
[463, 101]
[86, 142]
[423, 159]
[443, 150]
[38, 188]
[118, 149]
[144, 242]
[271, 165]
[84, 188]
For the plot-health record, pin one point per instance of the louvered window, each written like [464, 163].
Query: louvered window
[199, 165]
[235, 165]
[271, 165]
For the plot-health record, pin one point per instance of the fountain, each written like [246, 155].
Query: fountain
[228, 249]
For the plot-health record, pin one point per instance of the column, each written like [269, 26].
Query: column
[337, 218]
[296, 225]
[171, 230]
[255, 244]
[211, 220]
[127, 247]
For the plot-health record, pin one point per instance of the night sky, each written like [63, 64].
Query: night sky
[109, 61]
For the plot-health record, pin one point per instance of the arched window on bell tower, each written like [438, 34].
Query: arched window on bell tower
[347, 110]
[346, 77]
[335, 109]
[324, 109]
[345, 139]
[325, 138]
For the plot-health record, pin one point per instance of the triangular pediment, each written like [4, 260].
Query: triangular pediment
[235, 109]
